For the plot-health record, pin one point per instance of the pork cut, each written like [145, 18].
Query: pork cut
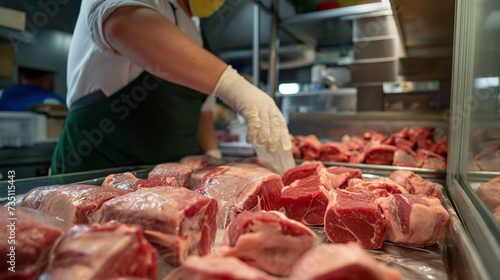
[305, 200]
[489, 193]
[267, 240]
[407, 158]
[33, 235]
[122, 181]
[334, 151]
[344, 175]
[181, 172]
[341, 261]
[74, 204]
[237, 188]
[380, 154]
[413, 183]
[220, 268]
[354, 216]
[103, 251]
[310, 147]
[302, 171]
[413, 220]
[177, 221]
[354, 143]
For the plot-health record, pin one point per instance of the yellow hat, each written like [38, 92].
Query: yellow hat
[205, 8]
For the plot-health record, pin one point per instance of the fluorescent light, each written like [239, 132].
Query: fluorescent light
[289, 88]
[487, 82]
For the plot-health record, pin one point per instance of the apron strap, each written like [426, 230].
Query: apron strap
[92, 98]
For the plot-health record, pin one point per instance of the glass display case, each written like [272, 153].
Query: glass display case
[474, 158]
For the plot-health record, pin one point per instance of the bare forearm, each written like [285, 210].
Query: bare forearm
[206, 133]
[154, 43]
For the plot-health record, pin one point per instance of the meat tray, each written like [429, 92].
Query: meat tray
[453, 257]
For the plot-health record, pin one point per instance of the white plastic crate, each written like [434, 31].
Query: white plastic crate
[18, 129]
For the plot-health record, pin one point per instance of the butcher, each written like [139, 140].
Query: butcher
[141, 88]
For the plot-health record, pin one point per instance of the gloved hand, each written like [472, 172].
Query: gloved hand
[214, 153]
[265, 121]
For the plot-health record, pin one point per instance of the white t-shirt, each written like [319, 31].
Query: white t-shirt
[93, 64]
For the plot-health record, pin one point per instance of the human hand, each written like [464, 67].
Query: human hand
[264, 119]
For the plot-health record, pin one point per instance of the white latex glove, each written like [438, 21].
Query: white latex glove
[214, 153]
[265, 121]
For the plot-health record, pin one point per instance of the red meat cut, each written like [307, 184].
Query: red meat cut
[413, 220]
[390, 186]
[354, 217]
[122, 181]
[334, 151]
[341, 261]
[310, 147]
[302, 171]
[413, 183]
[407, 158]
[177, 221]
[305, 200]
[238, 188]
[220, 268]
[34, 234]
[157, 182]
[103, 251]
[343, 175]
[267, 240]
[74, 204]
[431, 160]
[380, 154]
[181, 172]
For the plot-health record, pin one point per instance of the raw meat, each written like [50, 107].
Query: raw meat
[334, 151]
[181, 172]
[267, 240]
[431, 160]
[200, 161]
[177, 221]
[341, 261]
[413, 183]
[305, 200]
[32, 234]
[220, 268]
[441, 146]
[357, 157]
[355, 143]
[122, 181]
[302, 171]
[197, 177]
[390, 186]
[496, 214]
[404, 144]
[489, 162]
[74, 204]
[380, 154]
[157, 182]
[489, 193]
[416, 133]
[354, 217]
[238, 188]
[343, 175]
[407, 158]
[103, 251]
[413, 220]
[310, 147]
[472, 163]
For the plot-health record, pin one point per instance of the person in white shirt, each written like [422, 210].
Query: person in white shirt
[141, 88]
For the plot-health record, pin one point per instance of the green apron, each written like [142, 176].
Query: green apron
[149, 121]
